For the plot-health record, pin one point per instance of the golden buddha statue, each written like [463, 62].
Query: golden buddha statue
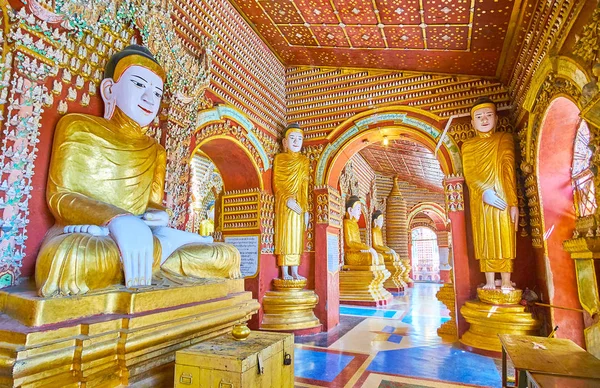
[105, 189]
[290, 185]
[390, 257]
[489, 169]
[207, 226]
[357, 252]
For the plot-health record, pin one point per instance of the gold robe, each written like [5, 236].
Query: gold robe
[489, 163]
[377, 239]
[101, 169]
[207, 228]
[290, 180]
[353, 246]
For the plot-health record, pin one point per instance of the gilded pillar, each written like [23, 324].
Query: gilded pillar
[397, 228]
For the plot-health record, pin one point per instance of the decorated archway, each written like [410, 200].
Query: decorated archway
[371, 126]
[432, 210]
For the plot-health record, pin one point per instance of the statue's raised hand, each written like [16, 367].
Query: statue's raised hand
[293, 205]
[491, 198]
[135, 242]
[156, 218]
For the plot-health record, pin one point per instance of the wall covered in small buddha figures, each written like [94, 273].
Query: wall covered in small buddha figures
[51, 67]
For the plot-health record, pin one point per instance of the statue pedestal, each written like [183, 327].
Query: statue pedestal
[496, 312]
[113, 337]
[363, 285]
[290, 308]
[405, 275]
[395, 282]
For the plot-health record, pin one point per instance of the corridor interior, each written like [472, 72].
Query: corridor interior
[392, 347]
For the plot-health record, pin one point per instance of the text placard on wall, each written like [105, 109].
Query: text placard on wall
[333, 252]
[249, 247]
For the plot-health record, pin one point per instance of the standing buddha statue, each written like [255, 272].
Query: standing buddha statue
[290, 185]
[105, 189]
[489, 169]
[390, 257]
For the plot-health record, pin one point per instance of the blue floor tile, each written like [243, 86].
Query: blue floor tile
[310, 364]
[395, 338]
[367, 312]
[388, 329]
[440, 362]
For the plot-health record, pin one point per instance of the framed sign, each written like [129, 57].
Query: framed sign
[333, 252]
[249, 247]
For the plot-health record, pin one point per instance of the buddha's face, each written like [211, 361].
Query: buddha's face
[137, 93]
[378, 222]
[484, 119]
[293, 141]
[354, 211]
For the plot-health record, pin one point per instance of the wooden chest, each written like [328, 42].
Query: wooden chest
[264, 360]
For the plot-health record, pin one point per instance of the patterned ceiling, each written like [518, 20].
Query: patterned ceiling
[450, 36]
[408, 160]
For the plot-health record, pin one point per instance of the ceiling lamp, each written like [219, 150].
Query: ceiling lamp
[386, 141]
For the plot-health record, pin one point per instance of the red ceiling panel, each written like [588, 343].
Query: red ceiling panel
[446, 36]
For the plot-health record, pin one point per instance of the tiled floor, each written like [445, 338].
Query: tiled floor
[392, 347]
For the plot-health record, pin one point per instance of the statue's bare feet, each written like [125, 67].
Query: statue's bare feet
[298, 277]
[286, 276]
[94, 230]
[488, 286]
[507, 287]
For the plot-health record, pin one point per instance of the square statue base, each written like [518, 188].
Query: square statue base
[113, 337]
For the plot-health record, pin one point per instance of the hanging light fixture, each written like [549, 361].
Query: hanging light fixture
[385, 141]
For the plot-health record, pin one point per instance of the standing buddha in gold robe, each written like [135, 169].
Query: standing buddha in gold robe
[489, 169]
[105, 189]
[290, 185]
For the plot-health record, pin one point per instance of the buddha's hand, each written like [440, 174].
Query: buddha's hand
[156, 218]
[293, 205]
[514, 216]
[135, 242]
[491, 198]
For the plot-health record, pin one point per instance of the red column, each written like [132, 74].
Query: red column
[454, 190]
[327, 284]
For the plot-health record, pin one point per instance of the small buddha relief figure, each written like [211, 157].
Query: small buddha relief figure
[357, 252]
[207, 226]
[105, 190]
[489, 170]
[290, 185]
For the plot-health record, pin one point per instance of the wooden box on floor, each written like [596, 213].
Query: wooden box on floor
[263, 360]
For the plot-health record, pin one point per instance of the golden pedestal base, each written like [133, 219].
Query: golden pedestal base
[289, 307]
[364, 285]
[395, 281]
[115, 337]
[488, 320]
[405, 275]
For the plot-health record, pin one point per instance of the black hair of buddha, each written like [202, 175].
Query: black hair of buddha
[351, 201]
[134, 49]
[376, 215]
[483, 100]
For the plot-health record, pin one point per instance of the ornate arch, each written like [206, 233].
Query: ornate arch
[431, 209]
[227, 121]
[417, 124]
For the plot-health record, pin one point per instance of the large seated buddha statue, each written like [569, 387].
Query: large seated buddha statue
[364, 271]
[105, 189]
[390, 257]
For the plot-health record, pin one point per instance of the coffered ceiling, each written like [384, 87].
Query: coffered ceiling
[448, 36]
[408, 160]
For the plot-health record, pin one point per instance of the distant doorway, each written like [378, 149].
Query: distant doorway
[425, 255]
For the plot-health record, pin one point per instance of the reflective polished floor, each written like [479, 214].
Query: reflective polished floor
[392, 347]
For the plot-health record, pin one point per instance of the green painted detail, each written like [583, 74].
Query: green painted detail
[6, 280]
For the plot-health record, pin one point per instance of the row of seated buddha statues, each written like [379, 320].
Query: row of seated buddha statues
[113, 282]
[364, 272]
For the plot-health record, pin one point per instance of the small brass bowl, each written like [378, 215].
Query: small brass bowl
[240, 332]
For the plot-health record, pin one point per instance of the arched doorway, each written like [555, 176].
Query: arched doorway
[425, 255]
[556, 147]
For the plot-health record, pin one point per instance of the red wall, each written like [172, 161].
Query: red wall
[557, 138]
